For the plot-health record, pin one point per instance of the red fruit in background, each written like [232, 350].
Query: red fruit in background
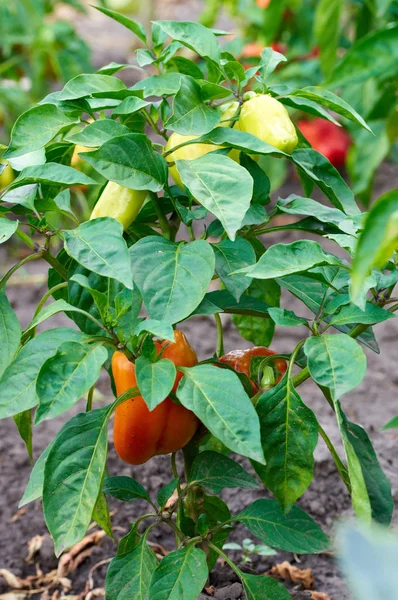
[252, 49]
[278, 47]
[327, 138]
[263, 3]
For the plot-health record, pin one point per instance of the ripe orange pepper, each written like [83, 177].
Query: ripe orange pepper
[240, 361]
[139, 433]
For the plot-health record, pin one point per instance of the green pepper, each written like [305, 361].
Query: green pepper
[119, 202]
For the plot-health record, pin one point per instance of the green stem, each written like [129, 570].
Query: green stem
[338, 462]
[179, 491]
[220, 336]
[163, 222]
[226, 558]
[47, 295]
[26, 239]
[19, 264]
[56, 265]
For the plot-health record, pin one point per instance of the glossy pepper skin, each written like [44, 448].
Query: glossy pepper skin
[266, 118]
[139, 433]
[327, 138]
[119, 202]
[240, 361]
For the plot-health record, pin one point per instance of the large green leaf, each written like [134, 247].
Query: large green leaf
[350, 313]
[231, 256]
[336, 362]
[377, 242]
[193, 35]
[190, 114]
[295, 532]
[129, 575]
[372, 56]
[98, 245]
[34, 489]
[214, 472]
[263, 587]
[155, 380]
[218, 399]
[10, 332]
[289, 434]
[225, 192]
[73, 475]
[296, 205]
[130, 161]
[49, 173]
[84, 85]
[172, 277]
[97, 133]
[66, 377]
[124, 488]
[35, 128]
[18, 382]
[7, 227]
[180, 575]
[284, 259]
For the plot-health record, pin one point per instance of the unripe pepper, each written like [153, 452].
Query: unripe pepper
[266, 118]
[140, 433]
[119, 202]
[6, 177]
[239, 360]
[192, 151]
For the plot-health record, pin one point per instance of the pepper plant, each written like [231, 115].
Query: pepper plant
[161, 246]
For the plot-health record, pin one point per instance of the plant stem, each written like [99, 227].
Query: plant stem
[339, 464]
[179, 491]
[220, 336]
[89, 405]
[49, 293]
[26, 239]
[226, 558]
[163, 222]
[56, 265]
[19, 264]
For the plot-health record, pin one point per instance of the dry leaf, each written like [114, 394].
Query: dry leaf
[97, 593]
[288, 572]
[12, 580]
[34, 546]
[210, 590]
[14, 596]
[319, 596]
[158, 549]
[18, 514]
[69, 561]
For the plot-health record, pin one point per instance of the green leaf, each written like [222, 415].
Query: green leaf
[34, 489]
[270, 59]
[164, 271]
[234, 138]
[51, 173]
[101, 515]
[283, 259]
[73, 476]
[18, 382]
[155, 380]
[131, 25]
[130, 161]
[129, 106]
[124, 488]
[218, 399]
[50, 310]
[296, 205]
[296, 532]
[10, 332]
[129, 575]
[263, 587]
[327, 178]
[223, 301]
[289, 434]
[377, 242]
[359, 493]
[190, 114]
[333, 102]
[82, 86]
[377, 484]
[371, 56]
[23, 421]
[194, 36]
[336, 362]
[231, 256]
[7, 228]
[257, 329]
[327, 31]
[353, 314]
[166, 492]
[391, 424]
[97, 133]
[160, 329]
[225, 192]
[99, 246]
[180, 575]
[66, 377]
[167, 84]
[100, 298]
[286, 318]
[35, 128]
[214, 472]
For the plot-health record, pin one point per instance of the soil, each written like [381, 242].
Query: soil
[372, 404]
